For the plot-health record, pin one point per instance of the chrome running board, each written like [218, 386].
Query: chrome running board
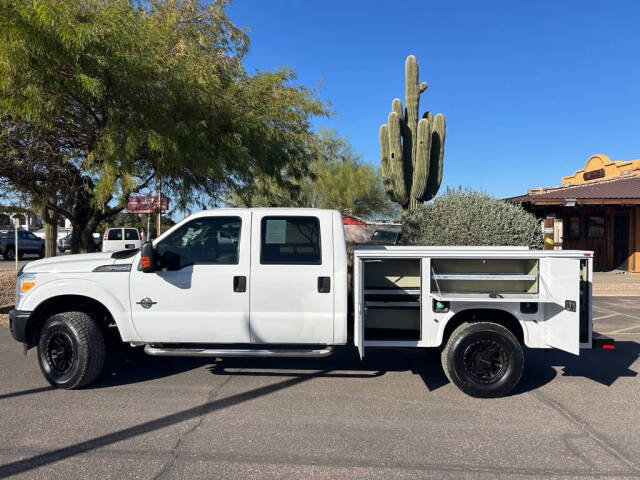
[234, 352]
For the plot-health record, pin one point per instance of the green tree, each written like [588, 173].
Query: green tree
[337, 179]
[132, 92]
[468, 217]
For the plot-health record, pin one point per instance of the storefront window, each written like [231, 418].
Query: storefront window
[573, 227]
[594, 227]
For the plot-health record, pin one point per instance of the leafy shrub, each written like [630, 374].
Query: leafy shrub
[468, 217]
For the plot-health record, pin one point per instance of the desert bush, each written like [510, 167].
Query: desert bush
[468, 217]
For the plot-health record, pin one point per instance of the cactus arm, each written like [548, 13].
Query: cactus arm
[396, 159]
[422, 164]
[438, 131]
[412, 103]
[396, 106]
[384, 158]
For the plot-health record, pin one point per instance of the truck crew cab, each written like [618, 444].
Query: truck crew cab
[273, 282]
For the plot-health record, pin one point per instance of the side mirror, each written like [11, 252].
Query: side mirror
[148, 258]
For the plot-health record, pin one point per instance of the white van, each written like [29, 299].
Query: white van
[126, 238]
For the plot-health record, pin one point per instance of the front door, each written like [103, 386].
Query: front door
[292, 282]
[205, 298]
[621, 241]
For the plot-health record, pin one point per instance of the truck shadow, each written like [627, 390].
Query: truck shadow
[541, 366]
[131, 365]
[601, 366]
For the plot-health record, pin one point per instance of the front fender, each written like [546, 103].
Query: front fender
[117, 305]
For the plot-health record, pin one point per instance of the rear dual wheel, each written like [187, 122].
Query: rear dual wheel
[483, 359]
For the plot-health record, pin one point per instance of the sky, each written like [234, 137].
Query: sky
[529, 89]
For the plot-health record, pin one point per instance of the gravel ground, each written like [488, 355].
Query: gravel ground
[7, 292]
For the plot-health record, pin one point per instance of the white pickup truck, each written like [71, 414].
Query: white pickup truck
[274, 282]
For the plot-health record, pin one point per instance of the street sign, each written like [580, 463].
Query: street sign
[147, 204]
[16, 222]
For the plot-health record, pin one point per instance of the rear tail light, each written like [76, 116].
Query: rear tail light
[104, 237]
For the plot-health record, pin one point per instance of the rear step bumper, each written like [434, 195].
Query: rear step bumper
[602, 341]
[235, 352]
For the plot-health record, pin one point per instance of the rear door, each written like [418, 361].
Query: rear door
[113, 241]
[292, 281]
[131, 238]
[561, 277]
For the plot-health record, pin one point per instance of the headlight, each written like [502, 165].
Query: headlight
[24, 285]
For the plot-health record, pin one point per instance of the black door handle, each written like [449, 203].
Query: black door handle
[240, 284]
[324, 284]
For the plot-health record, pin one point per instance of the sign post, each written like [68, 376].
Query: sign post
[16, 226]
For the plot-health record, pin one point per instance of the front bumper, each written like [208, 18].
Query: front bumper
[18, 320]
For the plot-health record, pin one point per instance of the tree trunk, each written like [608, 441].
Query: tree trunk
[51, 238]
[50, 220]
[86, 242]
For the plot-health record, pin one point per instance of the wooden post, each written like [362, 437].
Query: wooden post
[548, 233]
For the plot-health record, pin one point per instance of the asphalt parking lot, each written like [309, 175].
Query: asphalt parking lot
[393, 415]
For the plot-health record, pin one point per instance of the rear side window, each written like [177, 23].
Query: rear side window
[131, 234]
[290, 241]
[115, 234]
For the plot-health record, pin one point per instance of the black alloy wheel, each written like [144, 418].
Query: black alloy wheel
[60, 353]
[71, 350]
[483, 359]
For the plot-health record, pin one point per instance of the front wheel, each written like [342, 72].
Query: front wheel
[71, 350]
[9, 254]
[483, 359]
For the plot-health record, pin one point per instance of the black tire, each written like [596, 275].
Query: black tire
[9, 254]
[483, 359]
[71, 350]
[61, 250]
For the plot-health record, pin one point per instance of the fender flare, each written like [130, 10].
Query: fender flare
[466, 307]
[120, 312]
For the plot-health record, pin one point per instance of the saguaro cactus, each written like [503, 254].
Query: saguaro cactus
[412, 150]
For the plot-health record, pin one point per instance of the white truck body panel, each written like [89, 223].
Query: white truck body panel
[551, 326]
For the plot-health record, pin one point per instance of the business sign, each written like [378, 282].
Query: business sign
[147, 204]
[593, 174]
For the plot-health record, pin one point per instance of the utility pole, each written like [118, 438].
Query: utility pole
[159, 209]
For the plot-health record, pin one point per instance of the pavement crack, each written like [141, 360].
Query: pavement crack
[586, 429]
[175, 451]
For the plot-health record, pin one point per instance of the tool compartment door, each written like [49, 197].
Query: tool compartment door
[561, 276]
[358, 305]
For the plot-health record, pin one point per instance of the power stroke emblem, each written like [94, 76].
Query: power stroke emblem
[146, 302]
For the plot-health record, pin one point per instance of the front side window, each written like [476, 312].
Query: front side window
[115, 234]
[131, 234]
[206, 240]
[290, 240]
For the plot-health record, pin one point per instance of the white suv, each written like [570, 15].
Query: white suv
[121, 239]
